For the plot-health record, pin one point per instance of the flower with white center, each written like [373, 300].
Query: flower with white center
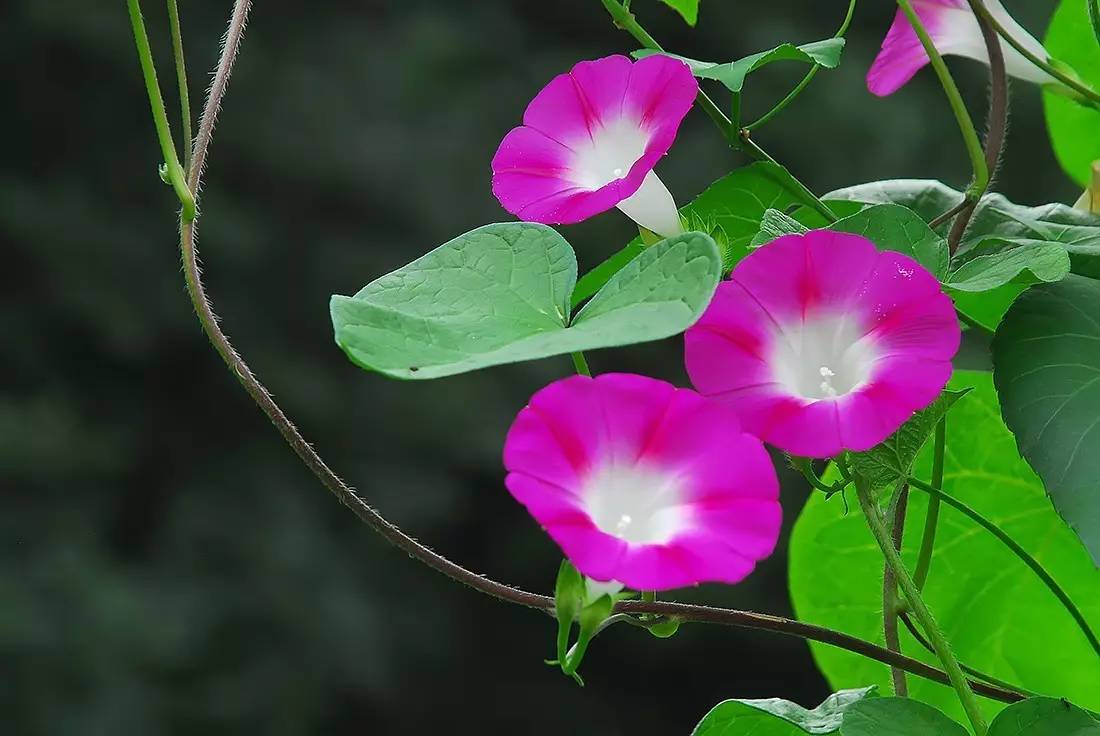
[642, 483]
[589, 142]
[823, 343]
[954, 31]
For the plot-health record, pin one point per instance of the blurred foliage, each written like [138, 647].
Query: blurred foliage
[166, 565]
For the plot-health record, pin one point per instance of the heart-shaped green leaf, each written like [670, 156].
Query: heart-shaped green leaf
[777, 717]
[500, 294]
[996, 262]
[732, 74]
[984, 598]
[1044, 717]
[688, 9]
[1046, 363]
[897, 717]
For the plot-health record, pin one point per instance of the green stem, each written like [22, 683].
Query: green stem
[939, 642]
[581, 364]
[181, 79]
[1075, 84]
[176, 176]
[782, 104]
[954, 98]
[1025, 557]
[973, 672]
[737, 139]
[932, 517]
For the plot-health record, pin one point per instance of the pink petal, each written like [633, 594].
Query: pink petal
[696, 499]
[902, 54]
[591, 137]
[822, 343]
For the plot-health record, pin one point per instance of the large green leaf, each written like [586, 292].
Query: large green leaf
[732, 74]
[892, 458]
[989, 605]
[500, 294]
[897, 717]
[688, 9]
[897, 228]
[1046, 362]
[1044, 717]
[1074, 128]
[731, 207]
[777, 717]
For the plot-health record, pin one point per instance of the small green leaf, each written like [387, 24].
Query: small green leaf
[1073, 126]
[731, 208]
[777, 717]
[897, 717]
[665, 629]
[1046, 363]
[995, 262]
[1044, 717]
[569, 593]
[775, 224]
[732, 74]
[688, 9]
[500, 294]
[892, 459]
[897, 228]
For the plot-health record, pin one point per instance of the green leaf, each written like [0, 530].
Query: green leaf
[897, 228]
[776, 717]
[775, 224]
[983, 596]
[892, 459]
[688, 9]
[569, 593]
[1046, 363]
[732, 74]
[1044, 717]
[500, 294]
[1073, 127]
[927, 197]
[996, 262]
[897, 717]
[732, 207]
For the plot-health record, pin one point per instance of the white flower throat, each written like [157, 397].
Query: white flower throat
[824, 357]
[637, 504]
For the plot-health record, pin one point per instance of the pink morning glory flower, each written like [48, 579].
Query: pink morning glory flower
[954, 31]
[823, 343]
[643, 483]
[589, 142]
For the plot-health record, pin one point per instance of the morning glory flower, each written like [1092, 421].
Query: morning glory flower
[823, 343]
[954, 31]
[643, 483]
[589, 142]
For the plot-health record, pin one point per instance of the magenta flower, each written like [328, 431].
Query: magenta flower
[589, 142]
[823, 343]
[643, 483]
[954, 31]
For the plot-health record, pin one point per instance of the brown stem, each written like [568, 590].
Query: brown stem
[416, 550]
[890, 593]
[997, 124]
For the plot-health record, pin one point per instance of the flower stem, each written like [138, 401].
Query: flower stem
[738, 139]
[581, 364]
[966, 125]
[932, 515]
[174, 171]
[1025, 557]
[1094, 17]
[890, 602]
[935, 636]
[1073, 83]
[181, 80]
[814, 69]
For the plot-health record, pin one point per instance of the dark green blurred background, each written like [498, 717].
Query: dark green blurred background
[166, 564]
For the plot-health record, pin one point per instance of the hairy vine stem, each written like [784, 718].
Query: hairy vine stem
[890, 601]
[348, 496]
